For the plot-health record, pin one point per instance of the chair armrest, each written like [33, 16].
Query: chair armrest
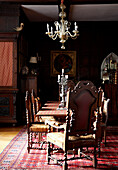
[55, 124]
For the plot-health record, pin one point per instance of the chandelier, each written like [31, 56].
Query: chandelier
[62, 28]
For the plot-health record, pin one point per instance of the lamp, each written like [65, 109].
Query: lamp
[33, 65]
[33, 60]
[62, 28]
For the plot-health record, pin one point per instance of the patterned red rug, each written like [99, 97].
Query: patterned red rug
[15, 155]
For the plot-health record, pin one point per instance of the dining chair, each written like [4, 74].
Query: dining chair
[79, 130]
[34, 129]
[36, 107]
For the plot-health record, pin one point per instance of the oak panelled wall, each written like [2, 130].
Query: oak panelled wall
[9, 19]
[95, 42]
[8, 78]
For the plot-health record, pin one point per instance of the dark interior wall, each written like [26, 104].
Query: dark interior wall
[9, 17]
[95, 42]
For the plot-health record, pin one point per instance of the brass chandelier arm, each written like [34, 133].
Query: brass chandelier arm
[72, 36]
[53, 36]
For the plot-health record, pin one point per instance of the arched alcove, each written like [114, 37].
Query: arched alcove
[109, 68]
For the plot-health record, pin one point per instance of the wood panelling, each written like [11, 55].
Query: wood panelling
[95, 42]
[56, 1]
[9, 17]
[27, 83]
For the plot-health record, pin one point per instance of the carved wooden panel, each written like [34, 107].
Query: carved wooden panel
[8, 106]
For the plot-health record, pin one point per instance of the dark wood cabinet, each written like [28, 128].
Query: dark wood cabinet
[8, 78]
[8, 105]
[29, 82]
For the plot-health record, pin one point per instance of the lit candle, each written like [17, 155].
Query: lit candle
[48, 27]
[59, 78]
[51, 30]
[57, 26]
[75, 26]
[62, 71]
[66, 76]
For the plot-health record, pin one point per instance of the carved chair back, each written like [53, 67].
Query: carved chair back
[83, 103]
[33, 103]
[29, 116]
[38, 104]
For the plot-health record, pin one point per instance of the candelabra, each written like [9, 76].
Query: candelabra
[62, 80]
[62, 28]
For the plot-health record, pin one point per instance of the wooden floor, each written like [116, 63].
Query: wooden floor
[7, 134]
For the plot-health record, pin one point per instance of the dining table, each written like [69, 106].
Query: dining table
[51, 108]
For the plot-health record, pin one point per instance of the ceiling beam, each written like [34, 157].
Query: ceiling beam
[31, 2]
[56, 2]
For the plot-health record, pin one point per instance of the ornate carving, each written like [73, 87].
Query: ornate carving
[4, 100]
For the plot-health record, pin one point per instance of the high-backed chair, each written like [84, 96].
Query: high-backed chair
[34, 128]
[36, 106]
[38, 103]
[103, 124]
[80, 129]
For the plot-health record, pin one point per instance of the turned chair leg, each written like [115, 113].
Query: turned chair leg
[28, 148]
[95, 159]
[105, 136]
[79, 152]
[99, 142]
[65, 165]
[48, 153]
[39, 137]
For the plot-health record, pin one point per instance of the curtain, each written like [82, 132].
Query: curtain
[6, 63]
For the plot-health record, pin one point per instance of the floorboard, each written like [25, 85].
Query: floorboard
[7, 134]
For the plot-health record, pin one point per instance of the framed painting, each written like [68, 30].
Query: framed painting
[63, 60]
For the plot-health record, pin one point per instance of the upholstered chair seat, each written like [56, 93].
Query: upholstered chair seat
[39, 128]
[58, 138]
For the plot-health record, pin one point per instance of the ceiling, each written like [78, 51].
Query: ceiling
[77, 12]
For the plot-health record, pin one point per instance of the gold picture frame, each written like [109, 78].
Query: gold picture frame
[63, 60]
